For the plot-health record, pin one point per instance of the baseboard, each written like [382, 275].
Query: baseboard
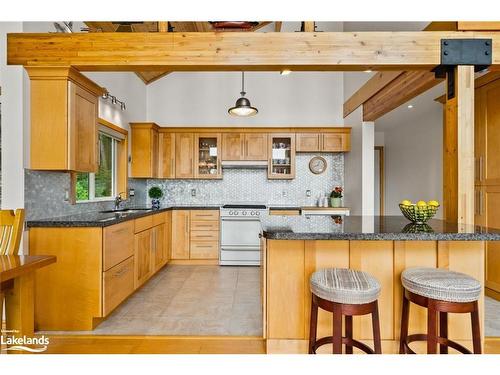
[492, 293]
[194, 262]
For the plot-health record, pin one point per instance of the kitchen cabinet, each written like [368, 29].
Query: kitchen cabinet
[281, 156]
[487, 175]
[323, 142]
[64, 111]
[143, 250]
[180, 234]
[118, 243]
[195, 235]
[184, 155]
[118, 284]
[244, 146]
[207, 156]
[159, 247]
[144, 150]
[166, 154]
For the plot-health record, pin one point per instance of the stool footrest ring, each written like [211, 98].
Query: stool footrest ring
[440, 340]
[345, 341]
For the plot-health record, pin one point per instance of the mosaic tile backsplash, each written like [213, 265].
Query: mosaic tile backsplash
[45, 192]
[252, 185]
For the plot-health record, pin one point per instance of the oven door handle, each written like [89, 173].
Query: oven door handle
[240, 247]
[241, 218]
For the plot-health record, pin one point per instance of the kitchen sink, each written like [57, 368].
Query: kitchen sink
[125, 211]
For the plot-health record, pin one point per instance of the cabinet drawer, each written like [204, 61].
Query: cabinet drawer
[118, 243]
[143, 223]
[158, 219]
[118, 284]
[204, 215]
[204, 250]
[204, 235]
[204, 225]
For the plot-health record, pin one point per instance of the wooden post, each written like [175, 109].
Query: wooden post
[458, 152]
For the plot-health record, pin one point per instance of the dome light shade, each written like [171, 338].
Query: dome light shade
[243, 108]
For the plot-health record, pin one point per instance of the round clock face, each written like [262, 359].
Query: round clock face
[317, 165]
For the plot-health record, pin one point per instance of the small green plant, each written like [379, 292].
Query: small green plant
[337, 192]
[155, 192]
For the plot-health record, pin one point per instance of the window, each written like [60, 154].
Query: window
[100, 185]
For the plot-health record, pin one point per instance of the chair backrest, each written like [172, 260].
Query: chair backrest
[11, 229]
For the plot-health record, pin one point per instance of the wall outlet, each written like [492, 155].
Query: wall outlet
[66, 196]
[308, 193]
[284, 193]
[131, 192]
[193, 192]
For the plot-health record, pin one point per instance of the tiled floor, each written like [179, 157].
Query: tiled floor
[191, 300]
[491, 317]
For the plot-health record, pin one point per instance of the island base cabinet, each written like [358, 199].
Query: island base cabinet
[290, 264]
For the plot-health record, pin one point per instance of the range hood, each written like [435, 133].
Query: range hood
[244, 164]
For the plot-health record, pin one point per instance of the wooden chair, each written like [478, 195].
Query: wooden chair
[11, 231]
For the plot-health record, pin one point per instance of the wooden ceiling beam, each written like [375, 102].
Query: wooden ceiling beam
[407, 86]
[478, 26]
[150, 77]
[309, 26]
[370, 88]
[219, 51]
[277, 26]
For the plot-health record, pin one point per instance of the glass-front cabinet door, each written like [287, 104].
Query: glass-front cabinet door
[207, 156]
[281, 156]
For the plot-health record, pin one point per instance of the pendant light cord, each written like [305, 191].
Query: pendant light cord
[242, 84]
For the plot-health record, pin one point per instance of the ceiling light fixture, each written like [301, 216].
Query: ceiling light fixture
[410, 106]
[368, 71]
[242, 108]
[285, 72]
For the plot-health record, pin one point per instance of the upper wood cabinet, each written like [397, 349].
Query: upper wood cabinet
[281, 156]
[184, 155]
[207, 156]
[64, 111]
[144, 163]
[324, 142]
[166, 153]
[244, 146]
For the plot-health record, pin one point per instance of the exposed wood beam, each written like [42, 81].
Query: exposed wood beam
[441, 26]
[277, 26]
[470, 25]
[399, 91]
[478, 82]
[150, 77]
[211, 51]
[309, 26]
[162, 26]
[370, 88]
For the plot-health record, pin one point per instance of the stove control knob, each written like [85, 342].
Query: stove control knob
[231, 212]
[244, 213]
[257, 213]
[252, 213]
[235, 213]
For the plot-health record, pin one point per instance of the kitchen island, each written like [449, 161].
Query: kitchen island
[293, 247]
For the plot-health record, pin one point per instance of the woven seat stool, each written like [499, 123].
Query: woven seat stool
[440, 291]
[344, 292]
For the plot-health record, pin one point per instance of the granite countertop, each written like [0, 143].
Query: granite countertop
[104, 219]
[370, 228]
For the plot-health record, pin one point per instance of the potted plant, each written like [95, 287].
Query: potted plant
[155, 193]
[336, 197]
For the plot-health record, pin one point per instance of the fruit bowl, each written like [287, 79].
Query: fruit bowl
[418, 214]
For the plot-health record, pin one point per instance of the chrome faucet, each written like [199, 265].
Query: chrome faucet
[118, 200]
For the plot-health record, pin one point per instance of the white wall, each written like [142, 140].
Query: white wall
[203, 98]
[413, 152]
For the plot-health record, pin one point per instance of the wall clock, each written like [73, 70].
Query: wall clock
[317, 165]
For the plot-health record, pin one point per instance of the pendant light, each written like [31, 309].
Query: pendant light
[243, 108]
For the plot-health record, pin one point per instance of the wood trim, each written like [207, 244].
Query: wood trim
[112, 126]
[492, 293]
[405, 87]
[150, 77]
[477, 26]
[221, 51]
[370, 88]
[485, 79]
[268, 129]
[382, 178]
[277, 26]
[193, 262]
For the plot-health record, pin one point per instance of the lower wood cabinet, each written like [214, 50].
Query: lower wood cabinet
[97, 269]
[118, 284]
[195, 235]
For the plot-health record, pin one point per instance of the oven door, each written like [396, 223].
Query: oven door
[240, 233]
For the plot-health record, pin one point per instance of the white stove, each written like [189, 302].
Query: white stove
[240, 229]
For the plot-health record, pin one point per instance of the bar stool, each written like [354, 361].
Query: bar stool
[440, 291]
[344, 292]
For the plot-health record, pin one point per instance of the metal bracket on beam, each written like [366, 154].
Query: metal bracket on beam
[477, 52]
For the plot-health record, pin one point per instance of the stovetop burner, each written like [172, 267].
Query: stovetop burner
[249, 206]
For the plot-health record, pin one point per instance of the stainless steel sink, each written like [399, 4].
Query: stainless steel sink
[125, 211]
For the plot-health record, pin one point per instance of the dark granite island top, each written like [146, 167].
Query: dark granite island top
[104, 219]
[393, 228]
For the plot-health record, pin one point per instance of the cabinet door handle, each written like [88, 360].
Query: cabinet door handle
[481, 199]
[186, 224]
[481, 167]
